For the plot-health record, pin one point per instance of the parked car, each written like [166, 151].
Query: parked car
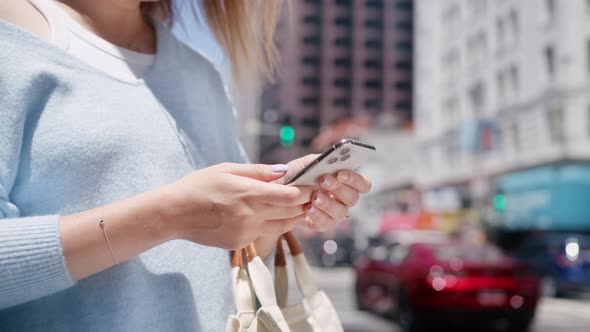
[425, 281]
[562, 260]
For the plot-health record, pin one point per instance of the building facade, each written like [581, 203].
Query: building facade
[340, 59]
[500, 86]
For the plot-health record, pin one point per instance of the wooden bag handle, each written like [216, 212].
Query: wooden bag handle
[280, 260]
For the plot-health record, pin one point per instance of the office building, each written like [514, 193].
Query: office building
[500, 87]
[340, 59]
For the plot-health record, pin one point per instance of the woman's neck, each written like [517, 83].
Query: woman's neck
[119, 22]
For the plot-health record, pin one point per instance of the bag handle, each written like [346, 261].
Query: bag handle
[302, 270]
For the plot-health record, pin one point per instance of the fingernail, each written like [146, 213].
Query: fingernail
[279, 168]
[342, 177]
[311, 209]
[326, 181]
[319, 199]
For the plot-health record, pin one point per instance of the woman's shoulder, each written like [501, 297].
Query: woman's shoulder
[24, 15]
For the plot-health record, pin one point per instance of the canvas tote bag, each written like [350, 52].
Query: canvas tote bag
[314, 313]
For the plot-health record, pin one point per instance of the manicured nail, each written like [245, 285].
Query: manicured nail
[311, 209]
[319, 199]
[279, 168]
[327, 182]
[343, 177]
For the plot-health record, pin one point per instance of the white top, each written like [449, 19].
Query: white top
[69, 35]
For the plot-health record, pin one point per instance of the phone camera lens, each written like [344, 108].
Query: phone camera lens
[332, 160]
[344, 151]
[345, 157]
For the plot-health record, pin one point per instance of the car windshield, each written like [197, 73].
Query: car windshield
[472, 253]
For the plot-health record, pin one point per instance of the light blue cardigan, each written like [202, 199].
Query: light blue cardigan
[73, 138]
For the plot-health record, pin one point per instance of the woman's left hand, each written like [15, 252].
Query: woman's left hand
[337, 193]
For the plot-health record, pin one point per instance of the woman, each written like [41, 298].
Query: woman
[122, 184]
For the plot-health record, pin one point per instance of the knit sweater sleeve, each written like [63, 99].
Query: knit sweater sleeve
[31, 259]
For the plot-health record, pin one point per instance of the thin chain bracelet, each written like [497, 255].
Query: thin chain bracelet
[106, 237]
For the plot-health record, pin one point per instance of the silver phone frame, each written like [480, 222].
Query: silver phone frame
[326, 153]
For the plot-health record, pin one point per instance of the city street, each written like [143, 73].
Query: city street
[553, 314]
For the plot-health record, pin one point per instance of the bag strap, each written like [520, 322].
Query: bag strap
[301, 268]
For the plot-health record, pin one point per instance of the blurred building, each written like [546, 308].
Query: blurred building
[340, 59]
[501, 87]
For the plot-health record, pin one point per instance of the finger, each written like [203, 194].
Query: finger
[345, 194]
[295, 166]
[354, 180]
[281, 195]
[260, 172]
[333, 208]
[281, 226]
[318, 220]
[271, 211]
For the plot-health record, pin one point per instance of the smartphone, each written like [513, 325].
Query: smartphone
[346, 154]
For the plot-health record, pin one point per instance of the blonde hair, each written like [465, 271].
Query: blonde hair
[245, 30]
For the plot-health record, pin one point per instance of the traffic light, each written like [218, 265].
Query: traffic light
[499, 202]
[287, 135]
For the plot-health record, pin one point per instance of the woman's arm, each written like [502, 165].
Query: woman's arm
[132, 225]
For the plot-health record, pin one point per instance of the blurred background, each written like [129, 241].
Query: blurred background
[479, 217]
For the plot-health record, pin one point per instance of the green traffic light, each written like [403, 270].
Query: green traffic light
[500, 202]
[287, 135]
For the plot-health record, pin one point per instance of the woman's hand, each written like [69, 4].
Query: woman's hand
[230, 205]
[338, 193]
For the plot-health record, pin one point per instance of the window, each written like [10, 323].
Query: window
[407, 65]
[404, 45]
[551, 8]
[513, 24]
[403, 105]
[550, 62]
[477, 97]
[374, 24]
[376, 4]
[501, 85]
[372, 104]
[311, 122]
[555, 124]
[515, 129]
[403, 5]
[403, 26]
[374, 64]
[311, 40]
[310, 101]
[373, 44]
[398, 253]
[312, 19]
[342, 62]
[341, 102]
[372, 84]
[343, 21]
[402, 85]
[514, 83]
[343, 42]
[500, 32]
[311, 61]
[343, 2]
[310, 81]
[341, 82]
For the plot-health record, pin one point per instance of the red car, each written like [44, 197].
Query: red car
[423, 281]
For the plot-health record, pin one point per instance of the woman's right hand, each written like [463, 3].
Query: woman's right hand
[230, 205]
